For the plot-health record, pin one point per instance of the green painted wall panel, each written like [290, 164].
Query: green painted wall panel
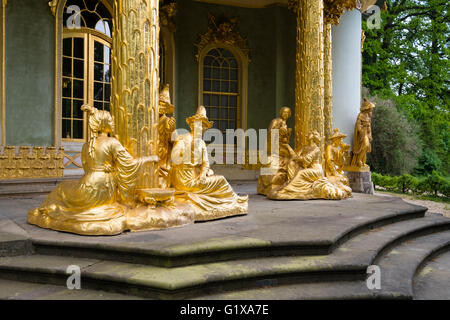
[271, 35]
[30, 73]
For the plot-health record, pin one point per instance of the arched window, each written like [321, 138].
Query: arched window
[221, 88]
[86, 63]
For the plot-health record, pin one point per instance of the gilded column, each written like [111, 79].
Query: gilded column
[328, 81]
[135, 79]
[309, 91]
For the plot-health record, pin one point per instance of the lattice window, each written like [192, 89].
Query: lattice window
[86, 55]
[221, 88]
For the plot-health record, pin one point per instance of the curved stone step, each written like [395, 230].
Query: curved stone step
[332, 290]
[17, 290]
[432, 282]
[399, 265]
[281, 231]
[349, 262]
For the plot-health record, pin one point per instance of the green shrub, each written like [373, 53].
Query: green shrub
[396, 144]
[433, 184]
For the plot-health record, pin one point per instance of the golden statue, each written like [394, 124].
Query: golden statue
[195, 183]
[362, 139]
[106, 201]
[335, 158]
[268, 182]
[166, 128]
[306, 177]
[94, 204]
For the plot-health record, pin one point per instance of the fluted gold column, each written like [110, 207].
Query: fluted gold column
[309, 91]
[135, 78]
[328, 81]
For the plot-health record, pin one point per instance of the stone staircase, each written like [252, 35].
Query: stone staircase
[401, 244]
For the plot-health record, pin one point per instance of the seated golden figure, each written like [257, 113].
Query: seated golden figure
[362, 140]
[306, 177]
[94, 205]
[211, 195]
[268, 182]
[335, 158]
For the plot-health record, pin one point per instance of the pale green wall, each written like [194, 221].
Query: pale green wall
[271, 35]
[29, 73]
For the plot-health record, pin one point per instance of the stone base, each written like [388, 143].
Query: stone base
[360, 182]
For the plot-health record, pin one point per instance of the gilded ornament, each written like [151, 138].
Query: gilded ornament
[223, 31]
[167, 15]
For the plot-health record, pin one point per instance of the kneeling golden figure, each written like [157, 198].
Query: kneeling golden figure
[306, 177]
[211, 195]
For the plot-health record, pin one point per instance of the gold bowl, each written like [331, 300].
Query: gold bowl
[155, 195]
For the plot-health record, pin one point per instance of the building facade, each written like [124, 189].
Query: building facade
[242, 60]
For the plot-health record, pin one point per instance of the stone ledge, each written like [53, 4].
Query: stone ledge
[36, 186]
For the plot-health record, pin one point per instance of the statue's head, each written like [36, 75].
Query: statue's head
[285, 113]
[337, 137]
[199, 122]
[367, 106]
[100, 121]
[314, 137]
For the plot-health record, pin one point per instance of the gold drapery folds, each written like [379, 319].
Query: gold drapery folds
[362, 138]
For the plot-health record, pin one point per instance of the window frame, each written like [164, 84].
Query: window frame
[89, 36]
[242, 60]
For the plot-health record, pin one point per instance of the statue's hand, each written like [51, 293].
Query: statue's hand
[151, 159]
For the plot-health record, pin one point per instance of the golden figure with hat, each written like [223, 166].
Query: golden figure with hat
[306, 178]
[362, 140]
[195, 183]
[335, 157]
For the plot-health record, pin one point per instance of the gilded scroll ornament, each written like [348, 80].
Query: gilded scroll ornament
[279, 157]
[223, 31]
[210, 195]
[334, 9]
[335, 158]
[167, 14]
[306, 178]
[53, 5]
[362, 140]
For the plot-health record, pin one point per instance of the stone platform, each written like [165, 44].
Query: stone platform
[280, 250]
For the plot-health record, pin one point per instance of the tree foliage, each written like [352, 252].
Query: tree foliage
[396, 144]
[407, 61]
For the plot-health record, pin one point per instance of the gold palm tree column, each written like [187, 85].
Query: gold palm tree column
[135, 79]
[328, 80]
[309, 91]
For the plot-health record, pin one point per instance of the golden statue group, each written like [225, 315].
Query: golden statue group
[107, 200]
[300, 175]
